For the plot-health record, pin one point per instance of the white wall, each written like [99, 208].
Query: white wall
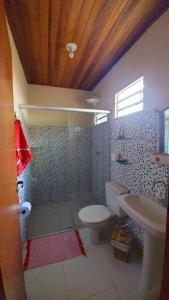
[56, 96]
[148, 57]
[63, 97]
[20, 85]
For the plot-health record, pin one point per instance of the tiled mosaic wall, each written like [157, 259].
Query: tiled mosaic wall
[68, 161]
[141, 132]
[61, 162]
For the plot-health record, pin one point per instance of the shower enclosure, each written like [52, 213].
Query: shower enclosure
[71, 163]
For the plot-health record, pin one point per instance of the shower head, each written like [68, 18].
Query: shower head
[93, 101]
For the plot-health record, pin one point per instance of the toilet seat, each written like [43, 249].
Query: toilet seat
[94, 214]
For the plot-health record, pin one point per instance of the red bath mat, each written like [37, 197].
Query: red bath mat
[53, 248]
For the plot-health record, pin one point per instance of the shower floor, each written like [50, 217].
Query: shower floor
[55, 217]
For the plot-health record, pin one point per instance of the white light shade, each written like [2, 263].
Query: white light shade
[71, 48]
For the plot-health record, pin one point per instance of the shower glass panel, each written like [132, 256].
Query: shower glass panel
[69, 168]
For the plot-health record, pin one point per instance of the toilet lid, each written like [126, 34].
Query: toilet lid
[94, 214]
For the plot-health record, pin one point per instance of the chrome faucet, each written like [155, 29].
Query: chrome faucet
[164, 184]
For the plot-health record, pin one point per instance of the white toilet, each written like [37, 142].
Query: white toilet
[96, 217]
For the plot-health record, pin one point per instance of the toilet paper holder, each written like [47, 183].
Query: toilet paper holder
[22, 211]
[25, 209]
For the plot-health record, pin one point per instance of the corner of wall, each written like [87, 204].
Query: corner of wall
[21, 89]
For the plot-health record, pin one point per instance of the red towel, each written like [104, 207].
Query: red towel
[23, 153]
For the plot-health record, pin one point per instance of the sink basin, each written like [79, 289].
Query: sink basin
[151, 216]
[146, 211]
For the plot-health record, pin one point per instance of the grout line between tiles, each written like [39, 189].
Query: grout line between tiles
[118, 293]
[67, 291]
[95, 294]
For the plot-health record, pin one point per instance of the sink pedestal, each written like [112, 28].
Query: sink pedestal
[153, 257]
[151, 216]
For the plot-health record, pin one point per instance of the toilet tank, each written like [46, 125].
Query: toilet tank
[113, 191]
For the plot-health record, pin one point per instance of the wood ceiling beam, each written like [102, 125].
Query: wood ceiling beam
[103, 26]
[126, 30]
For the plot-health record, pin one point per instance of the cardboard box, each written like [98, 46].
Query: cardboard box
[121, 241]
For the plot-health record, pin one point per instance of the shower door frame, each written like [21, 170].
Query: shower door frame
[60, 110]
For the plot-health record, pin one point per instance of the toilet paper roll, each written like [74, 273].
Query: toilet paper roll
[25, 209]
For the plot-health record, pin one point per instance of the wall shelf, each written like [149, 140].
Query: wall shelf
[123, 161]
[121, 138]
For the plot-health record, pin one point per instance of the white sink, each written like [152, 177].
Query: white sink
[151, 216]
[146, 211]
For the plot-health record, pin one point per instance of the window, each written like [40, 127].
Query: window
[130, 99]
[100, 118]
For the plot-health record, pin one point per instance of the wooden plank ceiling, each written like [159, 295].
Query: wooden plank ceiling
[103, 30]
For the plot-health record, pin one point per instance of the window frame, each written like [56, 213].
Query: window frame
[98, 119]
[141, 101]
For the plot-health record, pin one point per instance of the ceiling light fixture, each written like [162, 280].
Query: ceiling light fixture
[71, 48]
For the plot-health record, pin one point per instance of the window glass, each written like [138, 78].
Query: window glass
[130, 99]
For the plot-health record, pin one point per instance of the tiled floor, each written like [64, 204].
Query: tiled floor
[99, 276]
[55, 217]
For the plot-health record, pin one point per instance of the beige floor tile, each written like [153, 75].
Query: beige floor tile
[125, 276]
[46, 283]
[99, 276]
[150, 296]
[86, 276]
[128, 289]
[107, 295]
[122, 275]
[120, 272]
[136, 297]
